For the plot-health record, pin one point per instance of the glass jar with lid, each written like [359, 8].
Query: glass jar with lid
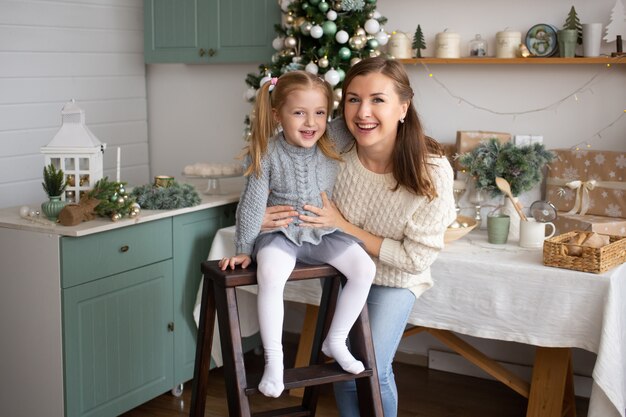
[478, 46]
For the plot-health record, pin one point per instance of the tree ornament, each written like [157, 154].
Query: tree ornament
[290, 42]
[359, 32]
[305, 28]
[337, 6]
[298, 21]
[418, 42]
[120, 201]
[332, 77]
[323, 62]
[356, 43]
[344, 53]
[342, 74]
[323, 6]
[317, 32]
[374, 53]
[284, 5]
[331, 15]
[329, 27]
[337, 94]
[289, 19]
[305, 6]
[342, 36]
[312, 68]
[355, 61]
[372, 44]
[372, 26]
[382, 37]
[278, 43]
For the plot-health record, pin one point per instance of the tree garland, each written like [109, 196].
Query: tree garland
[175, 196]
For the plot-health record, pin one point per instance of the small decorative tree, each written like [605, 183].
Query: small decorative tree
[54, 182]
[418, 42]
[573, 22]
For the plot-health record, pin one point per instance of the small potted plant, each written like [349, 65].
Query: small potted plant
[54, 184]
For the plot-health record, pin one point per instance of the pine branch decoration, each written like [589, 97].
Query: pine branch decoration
[115, 202]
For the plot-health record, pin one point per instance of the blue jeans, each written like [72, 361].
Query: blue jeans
[389, 310]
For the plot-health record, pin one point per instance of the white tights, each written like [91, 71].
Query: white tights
[273, 268]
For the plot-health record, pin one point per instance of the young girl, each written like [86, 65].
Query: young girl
[293, 168]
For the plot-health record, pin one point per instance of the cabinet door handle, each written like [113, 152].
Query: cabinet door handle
[209, 52]
[170, 326]
[124, 248]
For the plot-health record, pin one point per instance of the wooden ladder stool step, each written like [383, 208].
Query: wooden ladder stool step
[219, 301]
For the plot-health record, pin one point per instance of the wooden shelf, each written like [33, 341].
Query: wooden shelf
[515, 61]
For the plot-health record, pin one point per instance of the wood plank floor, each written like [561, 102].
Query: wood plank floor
[422, 393]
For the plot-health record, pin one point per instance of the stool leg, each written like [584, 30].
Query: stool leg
[232, 352]
[330, 293]
[203, 350]
[368, 389]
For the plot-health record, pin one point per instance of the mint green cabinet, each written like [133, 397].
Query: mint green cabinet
[209, 31]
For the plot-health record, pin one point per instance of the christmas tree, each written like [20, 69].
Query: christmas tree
[573, 22]
[321, 37]
[418, 42]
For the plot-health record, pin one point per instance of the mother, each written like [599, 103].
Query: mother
[394, 193]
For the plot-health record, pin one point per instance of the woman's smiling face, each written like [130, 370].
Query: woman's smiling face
[372, 110]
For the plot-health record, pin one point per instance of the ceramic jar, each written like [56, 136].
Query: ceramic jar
[400, 45]
[507, 44]
[447, 45]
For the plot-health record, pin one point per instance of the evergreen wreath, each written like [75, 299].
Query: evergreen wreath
[521, 166]
[175, 196]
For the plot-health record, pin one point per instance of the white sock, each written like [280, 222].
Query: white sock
[273, 268]
[359, 269]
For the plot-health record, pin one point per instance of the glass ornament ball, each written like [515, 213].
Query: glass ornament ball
[278, 43]
[135, 206]
[120, 201]
[332, 77]
[382, 37]
[371, 26]
[24, 211]
[337, 94]
[374, 53]
[312, 68]
[342, 74]
[317, 32]
[290, 42]
[337, 5]
[342, 36]
[323, 7]
[305, 28]
[373, 44]
[329, 27]
[289, 19]
[305, 5]
[344, 53]
[359, 32]
[299, 21]
[356, 43]
[323, 62]
[331, 15]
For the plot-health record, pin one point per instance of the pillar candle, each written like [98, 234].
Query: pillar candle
[507, 44]
[119, 155]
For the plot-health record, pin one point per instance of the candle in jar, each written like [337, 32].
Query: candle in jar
[119, 155]
[507, 44]
[448, 45]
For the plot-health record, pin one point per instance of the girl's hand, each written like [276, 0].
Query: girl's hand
[277, 216]
[241, 259]
[326, 216]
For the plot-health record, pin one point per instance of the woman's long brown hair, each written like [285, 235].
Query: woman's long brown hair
[412, 148]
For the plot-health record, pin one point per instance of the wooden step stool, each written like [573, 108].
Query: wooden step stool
[218, 297]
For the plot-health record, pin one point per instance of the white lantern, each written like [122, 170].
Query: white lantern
[76, 151]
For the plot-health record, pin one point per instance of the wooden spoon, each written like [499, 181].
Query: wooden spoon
[505, 187]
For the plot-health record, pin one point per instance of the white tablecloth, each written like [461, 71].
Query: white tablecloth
[504, 292]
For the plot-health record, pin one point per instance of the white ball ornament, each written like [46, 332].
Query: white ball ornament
[332, 77]
[376, 15]
[316, 32]
[264, 80]
[342, 36]
[312, 68]
[382, 37]
[331, 15]
[278, 43]
[24, 211]
[371, 26]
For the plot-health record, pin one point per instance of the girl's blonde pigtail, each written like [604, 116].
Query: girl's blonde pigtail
[263, 127]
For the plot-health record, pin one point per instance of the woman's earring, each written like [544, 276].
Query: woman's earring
[402, 120]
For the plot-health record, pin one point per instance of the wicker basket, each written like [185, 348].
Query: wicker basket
[596, 260]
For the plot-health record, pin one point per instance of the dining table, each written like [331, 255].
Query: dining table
[502, 292]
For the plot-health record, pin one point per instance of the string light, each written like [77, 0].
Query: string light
[599, 132]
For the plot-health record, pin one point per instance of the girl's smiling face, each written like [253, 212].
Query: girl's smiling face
[372, 110]
[303, 117]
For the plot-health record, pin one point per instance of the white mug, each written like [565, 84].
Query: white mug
[533, 233]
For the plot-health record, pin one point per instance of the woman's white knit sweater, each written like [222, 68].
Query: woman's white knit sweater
[412, 226]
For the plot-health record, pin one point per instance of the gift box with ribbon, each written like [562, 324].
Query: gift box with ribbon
[588, 182]
[590, 223]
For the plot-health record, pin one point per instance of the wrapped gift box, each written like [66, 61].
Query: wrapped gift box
[588, 182]
[467, 140]
[590, 223]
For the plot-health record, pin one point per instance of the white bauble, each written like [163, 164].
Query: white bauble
[311, 67]
[278, 43]
[317, 32]
[382, 37]
[284, 5]
[264, 80]
[249, 94]
[331, 15]
[371, 26]
[24, 211]
[332, 77]
[376, 15]
[342, 36]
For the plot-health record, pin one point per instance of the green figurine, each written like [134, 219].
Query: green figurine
[418, 42]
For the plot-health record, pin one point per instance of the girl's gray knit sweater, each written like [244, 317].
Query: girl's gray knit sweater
[295, 176]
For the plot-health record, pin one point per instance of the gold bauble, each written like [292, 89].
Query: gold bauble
[360, 32]
[322, 62]
[355, 61]
[337, 94]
